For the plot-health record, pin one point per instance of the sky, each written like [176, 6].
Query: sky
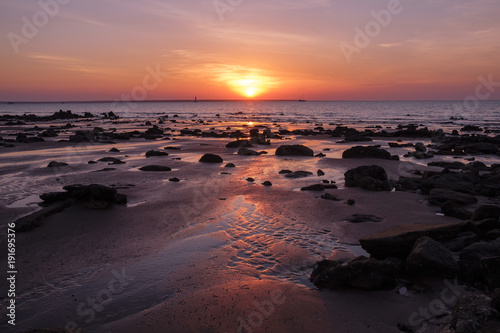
[75, 50]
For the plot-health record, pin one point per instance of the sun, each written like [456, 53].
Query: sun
[250, 92]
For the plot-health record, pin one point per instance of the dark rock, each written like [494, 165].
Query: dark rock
[462, 240]
[174, 179]
[481, 147]
[50, 133]
[471, 128]
[247, 152]
[398, 242]
[111, 160]
[52, 197]
[211, 158]
[453, 209]
[367, 152]
[155, 168]
[460, 182]
[472, 314]
[449, 165]
[155, 130]
[320, 155]
[373, 178]
[171, 148]
[487, 224]
[439, 196]
[485, 212]
[330, 186]
[470, 260]
[361, 273]
[491, 269]
[239, 144]
[407, 184]
[350, 202]
[95, 194]
[35, 219]
[328, 196]
[320, 173]
[267, 183]
[360, 218]
[298, 174]
[105, 169]
[429, 257]
[314, 187]
[156, 153]
[230, 165]
[114, 150]
[294, 150]
[284, 172]
[55, 164]
[420, 147]
[250, 179]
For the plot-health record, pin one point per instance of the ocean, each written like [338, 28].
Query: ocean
[434, 114]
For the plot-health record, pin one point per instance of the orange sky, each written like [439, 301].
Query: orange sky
[281, 49]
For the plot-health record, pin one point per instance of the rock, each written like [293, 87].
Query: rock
[52, 197]
[112, 160]
[462, 240]
[328, 196]
[361, 273]
[453, 209]
[55, 164]
[450, 165]
[114, 150]
[155, 168]
[230, 165]
[472, 314]
[171, 148]
[156, 153]
[50, 133]
[35, 219]
[247, 152]
[294, 150]
[470, 260]
[350, 202]
[481, 147]
[314, 187]
[174, 179]
[486, 212]
[320, 173]
[487, 224]
[250, 179]
[95, 193]
[267, 183]
[51, 330]
[491, 269]
[373, 178]
[439, 196]
[285, 172]
[471, 128]
[367, 152]
[420, 147]
[211, 158]
[298, 174]
[495, 301]
[360, 218]
[460, 182]
[320, 155]
[398, 242]
[239, 144]
[407, 184]
[429, 257]
[155, 130]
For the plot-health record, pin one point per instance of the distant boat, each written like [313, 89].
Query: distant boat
[301, 100]
[195, 99]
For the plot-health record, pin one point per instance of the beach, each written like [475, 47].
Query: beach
[207, 247]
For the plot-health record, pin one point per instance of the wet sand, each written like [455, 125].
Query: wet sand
[210, 253]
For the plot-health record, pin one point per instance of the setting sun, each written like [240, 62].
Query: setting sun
[250, 92]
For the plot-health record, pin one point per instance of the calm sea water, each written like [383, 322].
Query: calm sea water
[430, 113]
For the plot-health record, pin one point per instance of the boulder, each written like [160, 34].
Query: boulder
[372, 178]
[472, 314]
[460, 182]
[55, 164]
[247, 152]
[481, 147]
[486, 212]
[267, 183]
[367, 152]
[328, 196]
[398, 242]
[211, 158]
[439, 196]
[34, 220]
[360, 273]
[156, 153]
[314, 187]
[462, 240]
[296, 174]
[453, 209]
[155, 168]
[239, 144]
[429, 257]
[294, 150]
[470, 260]
[491, 269]
[111, 160]
[230, 165]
